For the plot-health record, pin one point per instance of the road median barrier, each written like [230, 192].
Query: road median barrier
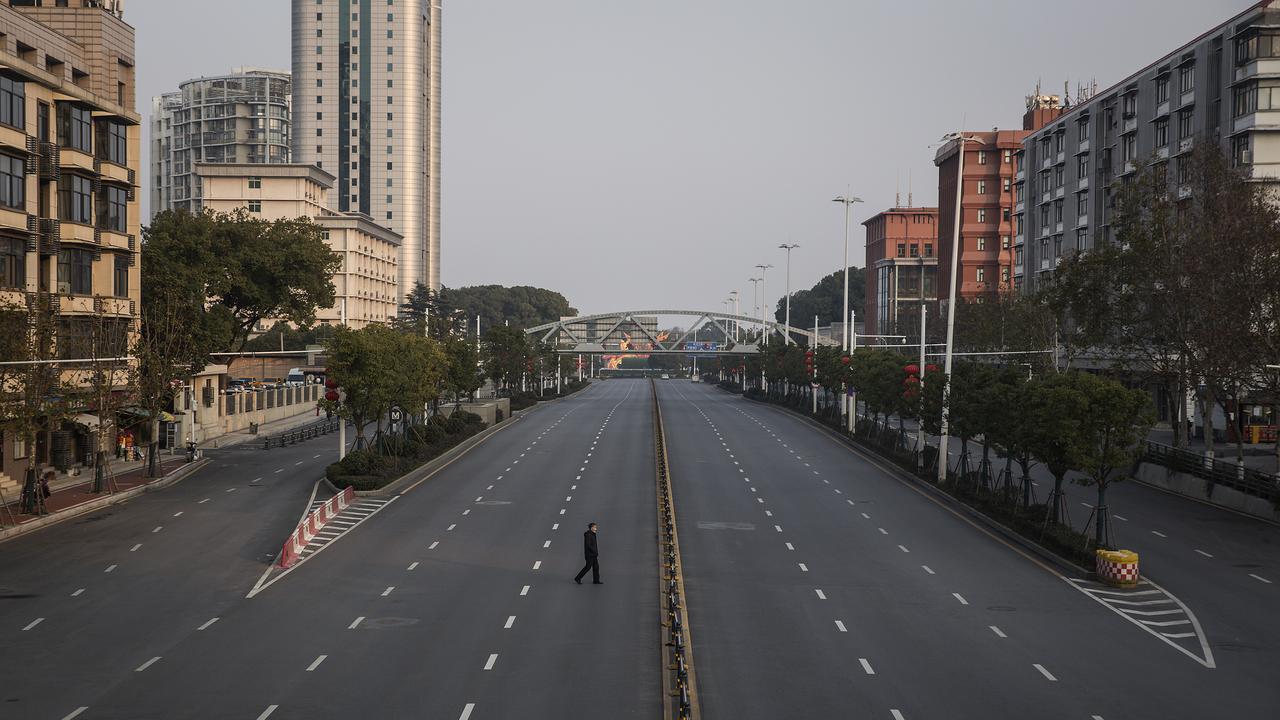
[1118, 568]
[312, 524]
[680, 696]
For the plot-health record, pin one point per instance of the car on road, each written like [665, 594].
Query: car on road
[666, 376]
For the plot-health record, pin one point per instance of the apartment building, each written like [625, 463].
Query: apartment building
[902, 267]
[366, 282]
[69, 221]
[242, 117]
[1223, 87]
[366, 107]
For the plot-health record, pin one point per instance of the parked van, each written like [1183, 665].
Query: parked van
[295, 377]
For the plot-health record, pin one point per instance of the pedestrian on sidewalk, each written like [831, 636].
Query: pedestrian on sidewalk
[592, 552]
[43, 493]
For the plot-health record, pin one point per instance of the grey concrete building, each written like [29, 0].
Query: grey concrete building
[366, 102]
[242, 117]
[1223, 86]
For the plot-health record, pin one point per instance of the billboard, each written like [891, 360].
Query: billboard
[702, 346]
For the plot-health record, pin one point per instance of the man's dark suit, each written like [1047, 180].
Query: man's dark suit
[592, 553]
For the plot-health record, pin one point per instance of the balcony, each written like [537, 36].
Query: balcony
[1187, 99]
[77, 159]
[1046, 196]
[1044, 263]
[1162, 152]
[1128, 169]
[1061, 191]
[1083, 147]
[1019, 207]
[1060, 158]
[1082, 221]
[1184, 192]
[1083, 183]
[1058, 227]
[1017, 271]
[13, 138]
[1130, 124]
[1020, 175]
[1184, 145]
[1162, 109]
[1044, 231]
[1046, 161]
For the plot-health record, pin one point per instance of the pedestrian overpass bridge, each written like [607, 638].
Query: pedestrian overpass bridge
[636, 331]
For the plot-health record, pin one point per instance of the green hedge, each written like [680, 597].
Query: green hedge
[390, 457]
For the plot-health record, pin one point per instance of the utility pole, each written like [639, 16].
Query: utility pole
[853, 394]
[813, 381]
[787, 323]
[924, 311]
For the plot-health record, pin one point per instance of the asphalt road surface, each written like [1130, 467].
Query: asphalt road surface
[819, 585]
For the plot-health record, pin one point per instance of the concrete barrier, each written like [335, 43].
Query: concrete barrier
[312, 524]
[1199, 488]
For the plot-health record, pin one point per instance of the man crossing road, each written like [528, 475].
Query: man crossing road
[592, 553]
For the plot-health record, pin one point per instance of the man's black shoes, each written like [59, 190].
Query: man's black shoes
[578, 580]
[597, 582]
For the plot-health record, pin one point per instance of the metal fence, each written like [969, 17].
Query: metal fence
[1222, 471]
[301, 434]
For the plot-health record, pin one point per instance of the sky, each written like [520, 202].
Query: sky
[647, 155]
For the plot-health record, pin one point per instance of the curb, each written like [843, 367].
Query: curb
[1062, 564]
[438, 463]
[1206, 503]
[99, 503]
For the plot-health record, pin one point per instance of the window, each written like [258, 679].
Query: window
[1130, 104]
[981, 243]
[120, 278]
[255, 206]
[1007, 156]
[13, 102]
[915, 250]
[1057, 142]
[1082, 167]
[1081, 239]
[902, 249]
[1162, 132]
[113, 142]
[1082, 203]
[982, 187]
[1162, 89]
[1186, 79]
[1240, 154]
[1017, 256]
[1004, 274]
[1004, 241]
[1008, 184]
[982, 215]
[928, 249]
[1130, 147]
[1044, 215]
[1057, 211]
[1058, 174]
[1246, 99]
[13, 263]
[1257, 45]
[980, 274]
[982, 157]
[1083, 129]
[13, 182]
[255, 183]
[75, 127]
[75, 199]
[75, 271]
[113, 209]
[1184, 124]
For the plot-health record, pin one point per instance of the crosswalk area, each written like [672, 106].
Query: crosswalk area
[352, 516]
[1155, 610]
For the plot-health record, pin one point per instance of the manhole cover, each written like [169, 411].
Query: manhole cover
[1002, 608]
[704, 525]
[494, 502]
[387, 622]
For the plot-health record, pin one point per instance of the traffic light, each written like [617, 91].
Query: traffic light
[331, 391]
[808, 363]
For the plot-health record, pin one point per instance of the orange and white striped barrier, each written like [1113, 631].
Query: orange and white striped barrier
[1117, 567]
[312, 524]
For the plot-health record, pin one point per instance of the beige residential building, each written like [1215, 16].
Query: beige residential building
[69, 222]
[367, 280]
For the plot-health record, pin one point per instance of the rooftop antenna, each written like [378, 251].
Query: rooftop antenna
[909, 200]
[897, 189]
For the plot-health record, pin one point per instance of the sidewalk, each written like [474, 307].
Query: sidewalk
[243, 436]
[71, 492]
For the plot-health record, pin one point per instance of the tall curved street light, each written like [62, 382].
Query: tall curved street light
[755, 299]
[960, 138]
[848, 201]
[764, 300]
[787, 322]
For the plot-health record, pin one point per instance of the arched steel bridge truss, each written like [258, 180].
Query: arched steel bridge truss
[624, 326]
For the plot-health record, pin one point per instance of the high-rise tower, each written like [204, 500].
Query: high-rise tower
[366, 104]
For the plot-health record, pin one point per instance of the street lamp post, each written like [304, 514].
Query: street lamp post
[787, 322]
[737, 326]
[951, 303]
[755, 300]
[847, 200]
[764, 299]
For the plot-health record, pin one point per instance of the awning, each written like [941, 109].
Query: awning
[89, 421]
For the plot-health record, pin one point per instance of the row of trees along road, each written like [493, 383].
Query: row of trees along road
[1071, 421]
[1187, 293]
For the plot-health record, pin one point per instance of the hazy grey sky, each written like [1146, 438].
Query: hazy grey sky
[648, 154]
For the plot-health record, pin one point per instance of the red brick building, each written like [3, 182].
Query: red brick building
[988, 200]
[902, 266]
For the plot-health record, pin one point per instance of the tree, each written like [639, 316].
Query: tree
[507, 354]
[165, 352]
[1118, 422]
[245, 269]
[1056, 429]
[35, 395]
[362, 363]
[462, 374]
[826, 299]
[520, 307]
